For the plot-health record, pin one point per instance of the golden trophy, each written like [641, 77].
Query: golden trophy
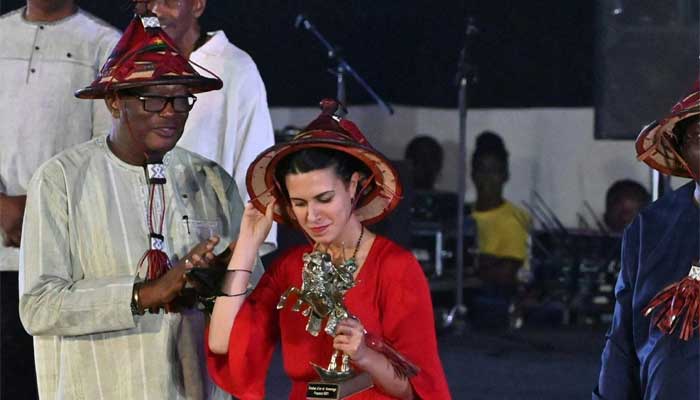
[323, 287]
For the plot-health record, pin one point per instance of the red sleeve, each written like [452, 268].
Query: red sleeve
[243, 370]
[408, 322]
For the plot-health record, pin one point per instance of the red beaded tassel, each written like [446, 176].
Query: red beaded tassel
[678, 304]
[402, 367]
[158, 262]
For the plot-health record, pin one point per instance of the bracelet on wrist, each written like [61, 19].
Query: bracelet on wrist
[243, 293]
[136, 308]
[239, 269]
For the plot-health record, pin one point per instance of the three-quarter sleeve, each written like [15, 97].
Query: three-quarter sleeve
[408, 323]
[243, 370]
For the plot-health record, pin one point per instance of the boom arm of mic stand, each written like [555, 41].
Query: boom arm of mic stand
[343, 66]
[306, 23]
[386, 106]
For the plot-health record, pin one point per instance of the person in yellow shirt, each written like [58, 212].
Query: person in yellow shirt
[502, 227]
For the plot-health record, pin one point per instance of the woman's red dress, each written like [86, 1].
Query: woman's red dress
[391, 299]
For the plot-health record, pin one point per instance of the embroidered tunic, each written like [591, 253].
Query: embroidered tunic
[84, 233]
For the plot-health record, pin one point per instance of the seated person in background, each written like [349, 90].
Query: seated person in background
[623, 201]
[502, 227]
[425, 155]
[431, 210]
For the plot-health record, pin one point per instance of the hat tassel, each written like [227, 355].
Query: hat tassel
[678, 304]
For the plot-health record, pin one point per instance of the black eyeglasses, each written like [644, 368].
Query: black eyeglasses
[155, 103]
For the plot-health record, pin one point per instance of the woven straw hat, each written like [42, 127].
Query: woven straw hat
[656, 144]
[145, 56]
[382, 190]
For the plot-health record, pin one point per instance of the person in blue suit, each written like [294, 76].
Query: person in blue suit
[651, 351]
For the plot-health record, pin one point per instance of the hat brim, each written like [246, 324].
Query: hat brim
[381, 198]
[654, 144]
[196, 84]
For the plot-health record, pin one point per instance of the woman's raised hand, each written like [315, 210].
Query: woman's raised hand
[255, 226]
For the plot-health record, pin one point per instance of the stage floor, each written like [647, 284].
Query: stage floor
[535, 363]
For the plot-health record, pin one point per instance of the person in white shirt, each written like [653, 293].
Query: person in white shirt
[230, 126]
[113, 227]
[47, 49]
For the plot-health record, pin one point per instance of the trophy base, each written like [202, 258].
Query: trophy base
[338, 389]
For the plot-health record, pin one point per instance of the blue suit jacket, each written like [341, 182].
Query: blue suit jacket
[638, 361]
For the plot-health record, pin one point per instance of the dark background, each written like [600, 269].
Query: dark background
[547, 53]
[645, 60]
[529, 53]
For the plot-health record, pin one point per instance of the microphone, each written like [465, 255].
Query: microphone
[301, 19]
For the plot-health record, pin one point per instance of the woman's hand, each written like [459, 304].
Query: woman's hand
[350, 339]
[255, 226]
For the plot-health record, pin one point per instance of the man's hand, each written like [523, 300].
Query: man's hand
[11, 215]
[219, 261]
[159, 292]
[162, 291]
[208, 271]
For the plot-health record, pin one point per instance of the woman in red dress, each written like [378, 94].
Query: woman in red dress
[329, 182]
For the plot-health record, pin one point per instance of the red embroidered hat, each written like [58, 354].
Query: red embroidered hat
[656, 143]
[145, 56]
[382, 190]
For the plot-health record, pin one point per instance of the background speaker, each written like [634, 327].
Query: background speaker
[645, 59]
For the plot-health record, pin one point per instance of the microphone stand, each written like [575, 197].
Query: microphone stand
[342, 67]
[466, 75]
